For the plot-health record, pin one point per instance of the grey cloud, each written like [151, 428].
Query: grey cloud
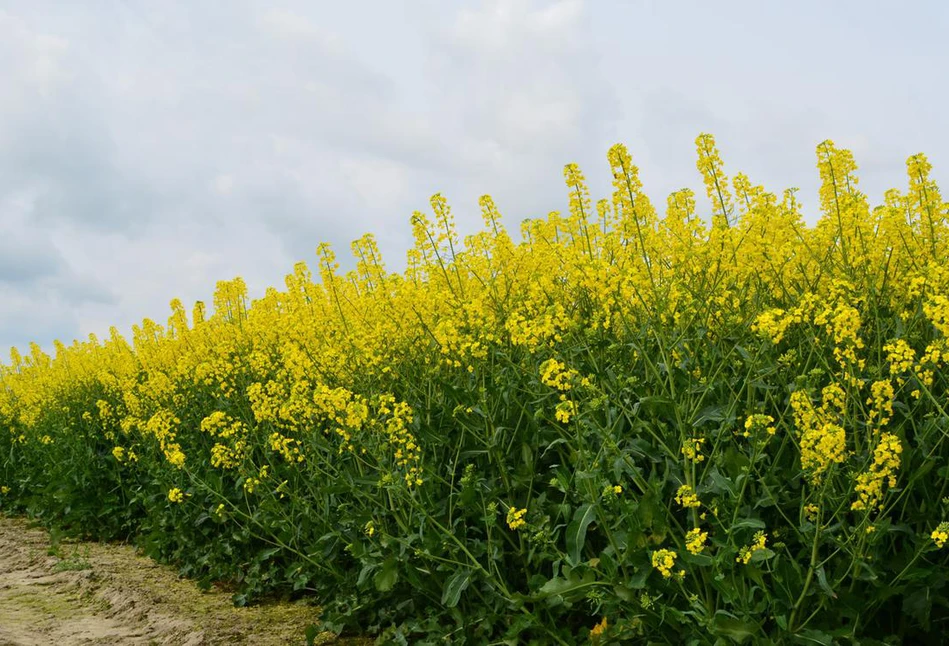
[35, 317]
[24, 262]
[55, 139]
[81, 290]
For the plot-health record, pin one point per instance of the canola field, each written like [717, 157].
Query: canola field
[624, 426]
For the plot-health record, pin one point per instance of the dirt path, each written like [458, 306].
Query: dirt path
[90, 593]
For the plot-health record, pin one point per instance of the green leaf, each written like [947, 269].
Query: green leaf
[563, 587]
[364, 573]
[623, 593]
[559, 440]
[698, 559]
[754, 523]
[723, 483]
[638, 580]
[822, 580]
[761, 555]
[454, 586]
[715, 413]
[387, 576]
[734, 628]
[577, 531]
[816, 636]
[919, 605]
[657, 406]
[527, 454]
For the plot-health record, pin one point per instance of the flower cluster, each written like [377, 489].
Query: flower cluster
[748, 551]
[940, 535]
[687, 497]
[695, 540]
[664, 560]
[886, 462]
[823, 440]
[515, 518]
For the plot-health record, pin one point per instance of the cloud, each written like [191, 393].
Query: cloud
[54, 138]
[24, 261]
[39, 289]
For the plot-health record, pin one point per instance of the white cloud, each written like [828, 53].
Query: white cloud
[223, 184]
[34, 58]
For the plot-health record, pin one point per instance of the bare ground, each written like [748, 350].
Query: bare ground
[91, 593]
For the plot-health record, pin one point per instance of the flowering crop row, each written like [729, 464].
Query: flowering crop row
[621, 427]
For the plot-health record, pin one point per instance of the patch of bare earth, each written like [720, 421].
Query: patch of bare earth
[91, 593]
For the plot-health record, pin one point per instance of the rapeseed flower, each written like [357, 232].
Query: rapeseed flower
[940, 535]
[758, 543]
[515, 518]
[692, 448]
[686, 497]
[664, 560]
[695, 540]
[597, 631]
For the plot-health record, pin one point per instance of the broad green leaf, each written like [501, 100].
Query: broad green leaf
[754, 523]
[822, 580]
[737, 629]
[577, 531]
[387, 576]
[454, 586]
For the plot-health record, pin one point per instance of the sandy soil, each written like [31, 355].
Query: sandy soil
[90, 593]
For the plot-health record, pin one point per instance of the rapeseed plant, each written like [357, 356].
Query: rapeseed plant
[717, 389]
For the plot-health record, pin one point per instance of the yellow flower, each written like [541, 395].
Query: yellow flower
[118, 453]
[664, 560]
[4, 490]
[940, 535]
[617, 489]
[565, 410]
[745, 554]
[695, 540]
[823, 441]
[810, 512]
[555, 374]
[691, 449]
[597, 631]
[772, 324]
[369, 529]
[881, 400]
[886, 462]
[515, 518]
[686, 497]
[175, 495]
[757, 422]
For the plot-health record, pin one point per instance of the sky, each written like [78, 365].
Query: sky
[151, 149]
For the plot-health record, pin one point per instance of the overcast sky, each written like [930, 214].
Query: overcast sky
[150, 149]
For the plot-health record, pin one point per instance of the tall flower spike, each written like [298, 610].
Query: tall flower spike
[197, 314]
[580, 207]
[716, 182]
[925, 204]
